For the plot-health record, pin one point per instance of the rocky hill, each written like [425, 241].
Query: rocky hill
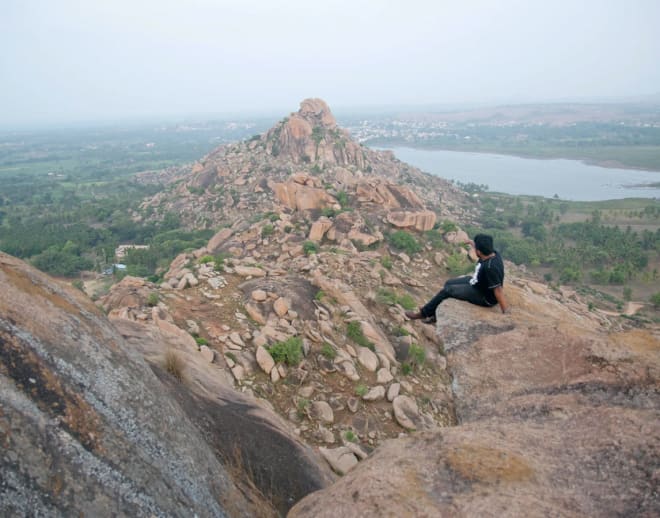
[283, 350]
[304, 163]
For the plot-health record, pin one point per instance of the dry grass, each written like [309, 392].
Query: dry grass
[261, 505]
[174, 365]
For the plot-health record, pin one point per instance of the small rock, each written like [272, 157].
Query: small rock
[249, 271]
[355, 448]
[255, 314]
[260, 340]
[393, 391]
[384, 361]
[259, 295]
[323, 411]
[367, 359]
[265, 360]
[274, 375]
[348, 370]
[383, 376]
[406, 412]
[341, 459]
[238, 372]
[306, 391]
[326, 435]
[353, 404]
[236, 338]
[193, 328]
[281, 306]
[207, 354]
[374, 394]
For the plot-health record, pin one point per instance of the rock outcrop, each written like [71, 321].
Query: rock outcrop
[556, 417]
[87, 425]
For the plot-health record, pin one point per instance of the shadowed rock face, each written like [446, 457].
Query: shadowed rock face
[556, 418]
[87, 428]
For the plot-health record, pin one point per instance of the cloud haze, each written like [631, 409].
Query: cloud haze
[82, 60]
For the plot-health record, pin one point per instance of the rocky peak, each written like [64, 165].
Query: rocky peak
[317, 112]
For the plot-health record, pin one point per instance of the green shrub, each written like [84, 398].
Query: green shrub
[458, 264]
[206, 259]
[267, 230]
[289, 351]
[201, 341]
[361, 390]
[386, 262]
[405, 241]
[319, 295]
[310, 247]
[400, 331]
[328, 351]
[219, 261]
[350, 436]
[655, 300]
[406, 369]
[448, 226]
[417, 355]
[355, 333]
[342, 198]
[407, 302]
[436, 238]
[385, 296]
[153, 298]
[303, 406]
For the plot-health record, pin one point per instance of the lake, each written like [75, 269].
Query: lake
[568, 179]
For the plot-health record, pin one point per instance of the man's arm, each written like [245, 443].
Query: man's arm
[499, 295]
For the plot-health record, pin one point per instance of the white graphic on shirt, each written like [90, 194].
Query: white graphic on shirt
[473, 280]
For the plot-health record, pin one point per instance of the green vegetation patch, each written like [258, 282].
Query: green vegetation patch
[355, 333]
[386, 296]
[290, 351]
[405, 241]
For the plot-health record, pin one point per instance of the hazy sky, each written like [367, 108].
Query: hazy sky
[65, 60]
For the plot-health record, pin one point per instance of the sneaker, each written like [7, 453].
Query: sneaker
[414, 315]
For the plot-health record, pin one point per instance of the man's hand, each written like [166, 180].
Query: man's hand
[499, 295]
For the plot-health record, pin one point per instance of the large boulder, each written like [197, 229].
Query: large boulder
[418, 220]
[295, 196]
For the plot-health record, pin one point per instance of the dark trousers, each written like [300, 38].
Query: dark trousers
[458, 288]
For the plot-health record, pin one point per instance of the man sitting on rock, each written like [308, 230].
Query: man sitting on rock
[483, 288]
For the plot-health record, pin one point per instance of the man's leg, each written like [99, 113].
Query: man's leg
[450, 287]
[457, 288]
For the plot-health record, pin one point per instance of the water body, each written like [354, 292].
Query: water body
[568, 179]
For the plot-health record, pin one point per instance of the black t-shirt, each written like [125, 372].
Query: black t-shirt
[490, 275]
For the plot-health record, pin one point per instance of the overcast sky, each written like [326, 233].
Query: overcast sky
[65, 60]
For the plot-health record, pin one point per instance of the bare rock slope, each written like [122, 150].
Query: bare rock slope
[555, 418]
[88, 427]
